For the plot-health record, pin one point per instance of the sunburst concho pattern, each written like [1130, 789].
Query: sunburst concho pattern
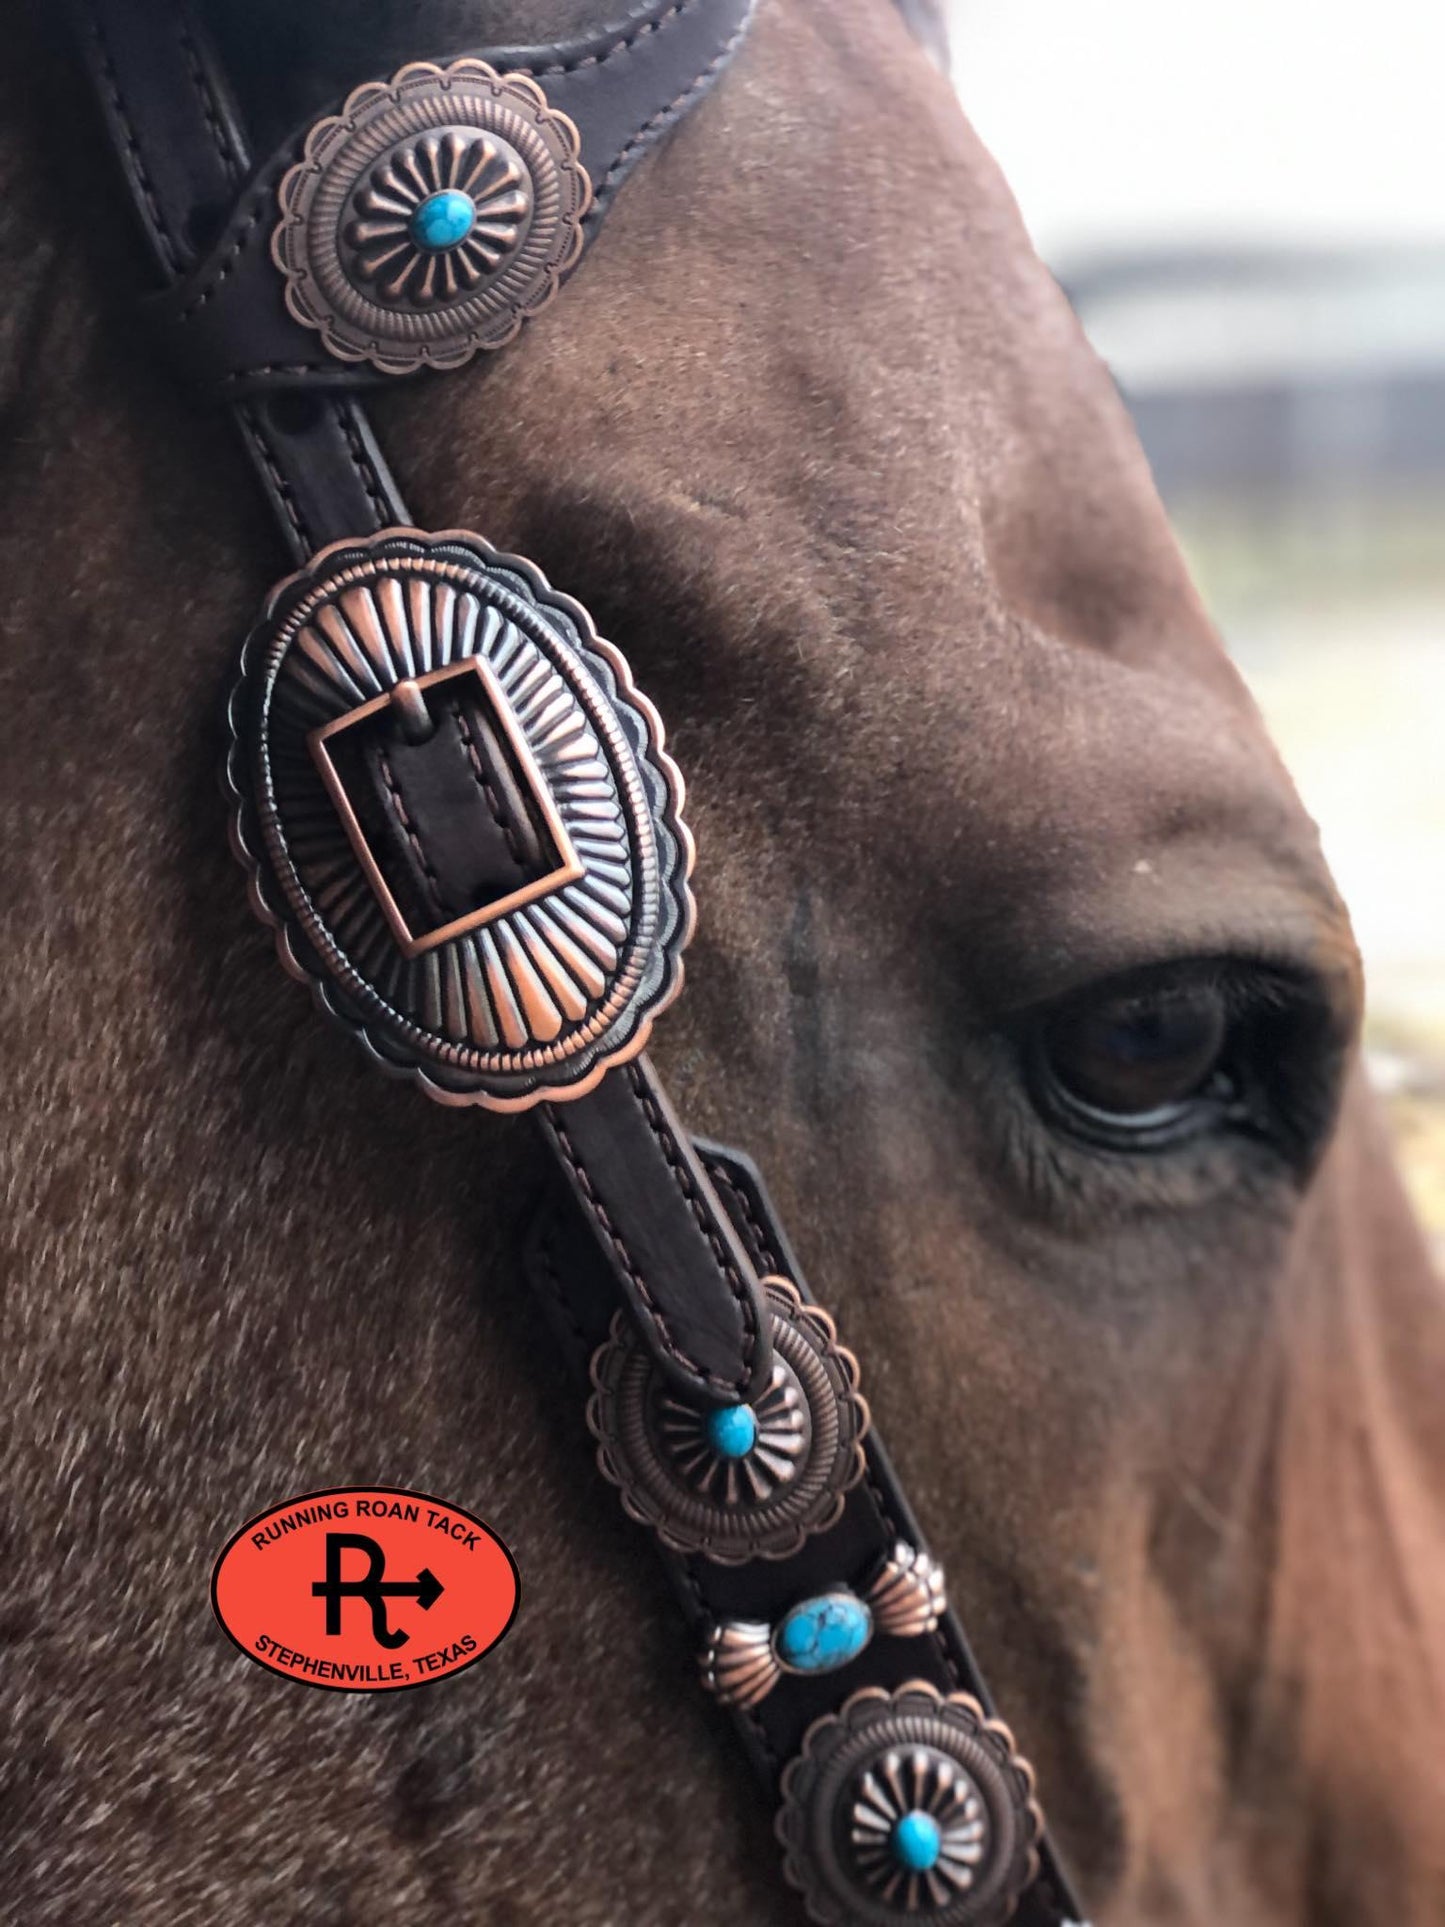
[909, 1806]
[805, 1451]
[538, 1001]
[431, 217]
[471, 177]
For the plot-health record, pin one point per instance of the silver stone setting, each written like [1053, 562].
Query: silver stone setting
[743, 1659]
[741, 1662]
[918, 1779]
[379, 241]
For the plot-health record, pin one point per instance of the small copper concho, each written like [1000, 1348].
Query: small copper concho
[431, 217]
[739, 1482]
[499, 995]
[909, 1806]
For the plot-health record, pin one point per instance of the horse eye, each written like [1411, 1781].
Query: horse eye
[1136, 1064]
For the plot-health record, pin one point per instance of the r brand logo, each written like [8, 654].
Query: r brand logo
[365, 1589]
[426, 1589]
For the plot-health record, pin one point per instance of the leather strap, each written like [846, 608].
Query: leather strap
[170, 117]
[178, 134]
[222, 321]
[319, 467]
[675, 1232]
[578, 1296]
[451, 828]
[625, 86]
[222, 317]
[657, 1219]
[176, 131]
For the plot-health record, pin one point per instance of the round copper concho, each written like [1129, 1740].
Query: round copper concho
[909, 1806]
[806, 1448]
[431, 217]
[530, 997]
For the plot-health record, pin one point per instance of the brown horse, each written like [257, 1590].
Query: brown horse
[995, 861]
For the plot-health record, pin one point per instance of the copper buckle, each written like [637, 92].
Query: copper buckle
[407, 703]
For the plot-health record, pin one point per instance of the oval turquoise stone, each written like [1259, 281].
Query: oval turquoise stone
[443, 220]
[732, 1431]
[916, 1841]
[824, 1633]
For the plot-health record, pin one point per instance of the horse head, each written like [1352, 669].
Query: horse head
[1018, 969]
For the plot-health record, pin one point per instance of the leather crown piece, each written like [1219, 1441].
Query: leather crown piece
[457, 814]
[425, 219]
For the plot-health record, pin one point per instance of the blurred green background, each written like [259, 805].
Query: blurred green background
[1247, 207]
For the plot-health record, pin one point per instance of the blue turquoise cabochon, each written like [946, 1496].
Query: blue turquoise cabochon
[824, 1633]
[443, 220]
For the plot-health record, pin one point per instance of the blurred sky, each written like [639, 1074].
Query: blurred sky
[1151, 121]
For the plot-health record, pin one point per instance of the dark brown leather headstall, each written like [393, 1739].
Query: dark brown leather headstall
[455, 812]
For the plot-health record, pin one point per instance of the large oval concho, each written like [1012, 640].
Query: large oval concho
[491, 994]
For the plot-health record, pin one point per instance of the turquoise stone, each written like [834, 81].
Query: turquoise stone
[823, 1634]
[732, 1431]
[916, 1841]
[443, 220]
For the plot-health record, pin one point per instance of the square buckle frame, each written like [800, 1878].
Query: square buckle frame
[569, 867]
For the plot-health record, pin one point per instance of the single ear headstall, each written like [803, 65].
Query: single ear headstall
[455, 811]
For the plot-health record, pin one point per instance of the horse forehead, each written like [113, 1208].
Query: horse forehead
[995, 629]
[906, 513]
[1042, 800]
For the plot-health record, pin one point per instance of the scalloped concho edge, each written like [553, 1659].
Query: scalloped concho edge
[299, 278]
[258, 870]
[826, 1904]
[619, 1473]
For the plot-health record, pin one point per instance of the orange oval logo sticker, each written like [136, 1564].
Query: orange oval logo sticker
[364, 1589]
